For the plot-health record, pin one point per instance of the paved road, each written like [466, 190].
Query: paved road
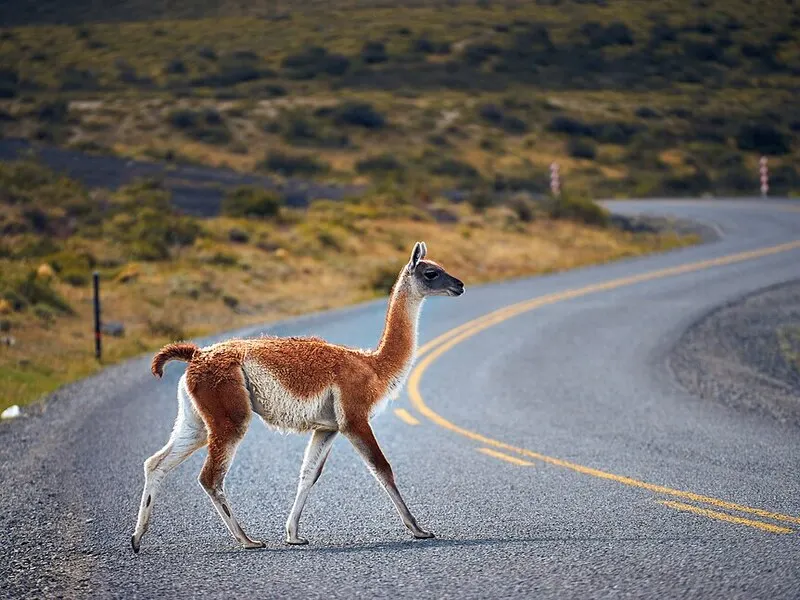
[551, 453]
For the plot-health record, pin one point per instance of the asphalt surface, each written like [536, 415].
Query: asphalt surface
[583, 380]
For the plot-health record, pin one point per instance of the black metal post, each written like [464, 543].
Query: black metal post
[98, 348]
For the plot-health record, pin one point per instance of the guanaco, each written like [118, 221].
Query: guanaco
[295, 385]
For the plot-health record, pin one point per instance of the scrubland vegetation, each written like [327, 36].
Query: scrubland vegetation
[631, 98]
[167, 276]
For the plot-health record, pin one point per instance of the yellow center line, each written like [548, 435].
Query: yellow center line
[512, 459]
[713, 514]
[438, 346]
[406, 416]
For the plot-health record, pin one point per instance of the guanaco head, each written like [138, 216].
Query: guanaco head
[428, 278]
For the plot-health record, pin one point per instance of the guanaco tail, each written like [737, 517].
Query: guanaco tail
[297, 385]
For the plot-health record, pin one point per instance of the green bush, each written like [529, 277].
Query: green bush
[301, 131]
[359, 114]
[55, 111]
[147, 223]
[314, 61]
[578, 207]
[290, 165]
[73, 267]
[578, 148]
[494, 114]
[234, 68]
[374, 52]
[764, 138]
[251, 202]
[380, 164]
[206, 125]
[451, 167]
[28, 290]
[523, 207]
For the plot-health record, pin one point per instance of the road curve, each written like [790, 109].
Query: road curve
[546, 445]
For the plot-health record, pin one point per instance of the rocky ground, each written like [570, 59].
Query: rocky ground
[747, 354]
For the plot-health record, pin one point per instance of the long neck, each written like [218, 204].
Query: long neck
[399, 340]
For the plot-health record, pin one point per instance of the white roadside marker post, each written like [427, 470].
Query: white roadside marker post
[555, 181]
[764, 176]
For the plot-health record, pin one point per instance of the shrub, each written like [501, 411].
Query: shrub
[56, 111]
[236, 235]
[207, 53]
[645, 112]
[762, 137]
[304, 132]
[478, 53]
[702, 51]
[206, 125]
[578, 148]
[570, 126]
[9, 82]
[359, 114]
[374, 52]
[523, 207]
[450, 167]
[234, 68]
[78, 79]
[289, 165]
[314, 61]
[73, 267]
[495, 115]
[26, 291]
[578, 207]
[146, 222]
[598, 36]
[382, 163]
[175, 67]
[424, 45]
[480, 200]
[250, 202]
[620, 133]
[231, 302]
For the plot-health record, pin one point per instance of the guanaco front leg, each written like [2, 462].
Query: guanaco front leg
[363, 440]
[317, 451]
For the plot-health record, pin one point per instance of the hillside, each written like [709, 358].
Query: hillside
[631, 98]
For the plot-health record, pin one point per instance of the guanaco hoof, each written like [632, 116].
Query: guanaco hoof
[297, 541]
[134, 544]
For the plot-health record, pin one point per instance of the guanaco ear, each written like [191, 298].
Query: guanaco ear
[417, 254]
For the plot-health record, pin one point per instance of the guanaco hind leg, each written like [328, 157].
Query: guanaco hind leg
[363, 440]
[188, 434]
[225, 408]
[317, 451]
[212, 477]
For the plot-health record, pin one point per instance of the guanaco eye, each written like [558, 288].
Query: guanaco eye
[430, 274]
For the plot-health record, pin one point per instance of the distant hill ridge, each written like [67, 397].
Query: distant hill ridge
[73, 12]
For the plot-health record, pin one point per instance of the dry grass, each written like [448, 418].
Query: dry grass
[193, 294]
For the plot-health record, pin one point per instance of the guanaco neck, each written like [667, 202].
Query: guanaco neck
[398, 343]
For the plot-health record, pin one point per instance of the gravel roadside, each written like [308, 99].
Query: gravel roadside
[745, 354]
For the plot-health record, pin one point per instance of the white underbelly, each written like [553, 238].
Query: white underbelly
[285, 411]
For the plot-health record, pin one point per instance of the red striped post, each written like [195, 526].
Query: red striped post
[555, 180]
[764, 176]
